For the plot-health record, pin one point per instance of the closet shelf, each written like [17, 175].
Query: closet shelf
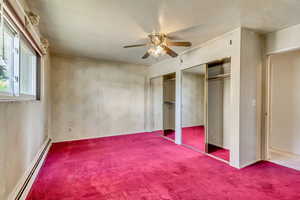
[169, 102]
[220, 76]
[171, 79]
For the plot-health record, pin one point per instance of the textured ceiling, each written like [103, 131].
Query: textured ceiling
[99, 28]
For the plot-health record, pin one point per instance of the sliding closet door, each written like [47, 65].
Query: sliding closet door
[156, 93]
[193, 107]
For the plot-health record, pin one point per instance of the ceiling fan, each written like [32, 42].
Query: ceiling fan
[159, 45]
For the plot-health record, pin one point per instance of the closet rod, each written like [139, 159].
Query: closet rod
[171, 79]
[221, 76]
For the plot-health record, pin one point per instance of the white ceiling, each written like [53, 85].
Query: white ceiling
[99, 28]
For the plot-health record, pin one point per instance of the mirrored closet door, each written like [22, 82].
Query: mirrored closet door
[156, 105]
[162, 98]
[193, 107]
[219, 109]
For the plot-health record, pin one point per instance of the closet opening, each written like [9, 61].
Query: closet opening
[169, 104]
[283, 108]
[218, 139]
[163, 102]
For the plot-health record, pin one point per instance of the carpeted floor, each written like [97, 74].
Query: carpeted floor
[169, 134]
[194, 137]
[166, 133]
[219, 152]
[148, 167]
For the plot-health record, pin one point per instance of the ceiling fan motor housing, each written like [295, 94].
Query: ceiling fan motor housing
[157, 39]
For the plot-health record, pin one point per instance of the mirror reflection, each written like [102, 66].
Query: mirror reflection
[218, 109]
[193, 107]
[156, 95]
[163, 101]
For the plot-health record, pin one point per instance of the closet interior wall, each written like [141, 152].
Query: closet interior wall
[169, 102]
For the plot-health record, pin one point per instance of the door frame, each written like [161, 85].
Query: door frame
[268, 110]
[206, 108]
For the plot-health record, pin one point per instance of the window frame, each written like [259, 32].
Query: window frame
[27, 45]
[15, 93]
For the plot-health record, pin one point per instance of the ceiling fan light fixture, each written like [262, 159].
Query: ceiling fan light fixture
[159, 45]
[157, 51]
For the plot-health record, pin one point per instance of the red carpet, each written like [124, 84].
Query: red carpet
[219, 152]
[169, 134]
[147, 167]
[194, 137]
[166, 133]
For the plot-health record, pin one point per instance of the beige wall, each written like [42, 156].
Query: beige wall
[24, 128]
[92, 98]
[250, 96]
[192, 99]
[283, 40]
[285, 98]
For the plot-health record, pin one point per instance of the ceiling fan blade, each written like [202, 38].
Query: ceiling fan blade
[135, 45]
[147, 54]
[181, 44]
[170, 51]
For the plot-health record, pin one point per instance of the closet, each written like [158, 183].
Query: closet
[162, 103]
[169, 100]
[219, 109]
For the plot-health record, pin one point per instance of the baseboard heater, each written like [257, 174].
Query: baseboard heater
[20, 193]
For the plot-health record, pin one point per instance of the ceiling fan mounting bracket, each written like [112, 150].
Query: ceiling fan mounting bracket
[157, 39]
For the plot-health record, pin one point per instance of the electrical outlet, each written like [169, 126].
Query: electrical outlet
[253, 102]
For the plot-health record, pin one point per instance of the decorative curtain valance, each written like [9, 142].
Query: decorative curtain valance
[27, 22]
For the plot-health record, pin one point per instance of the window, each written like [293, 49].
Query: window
[6, 67]
[28, 63]
[18, 68]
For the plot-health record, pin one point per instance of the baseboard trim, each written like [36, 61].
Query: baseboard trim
[96, 137]
[194, 126]
[249, 163]
[23, 184]
[282, 152]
